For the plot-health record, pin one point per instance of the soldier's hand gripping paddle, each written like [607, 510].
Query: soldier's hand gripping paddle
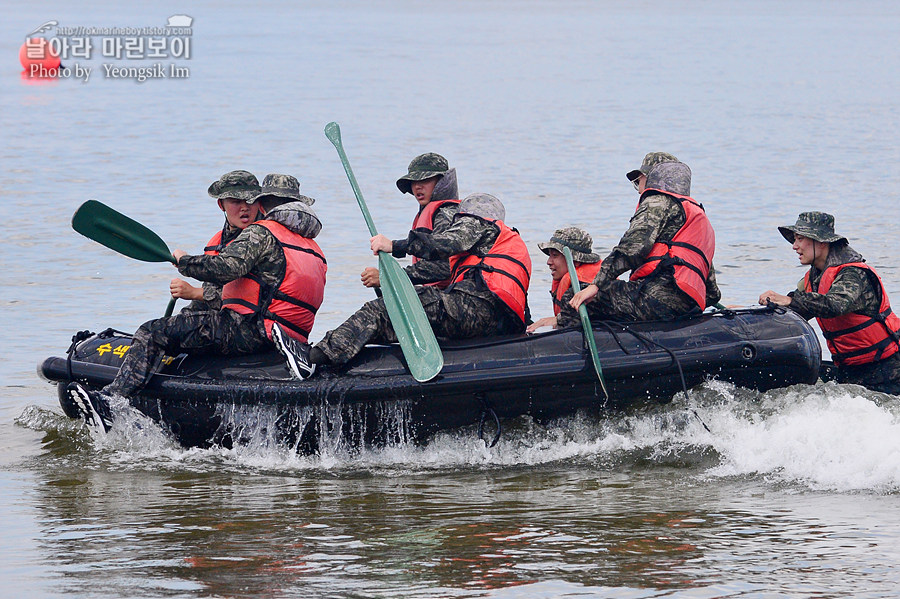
[585, 321]
[420, 347]
[95, 220]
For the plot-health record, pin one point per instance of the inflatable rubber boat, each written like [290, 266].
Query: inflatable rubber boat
[204, 400]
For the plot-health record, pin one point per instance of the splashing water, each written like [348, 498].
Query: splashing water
[820, 437]
[827, 436]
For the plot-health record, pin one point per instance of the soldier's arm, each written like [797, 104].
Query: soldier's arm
[842, 298]
[211, 299]
[643, 231]
[464, 234]
[234, 261]
[428, 271]
[568, 317]
[212, 295]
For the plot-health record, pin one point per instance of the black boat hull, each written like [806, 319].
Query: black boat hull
[206, 400]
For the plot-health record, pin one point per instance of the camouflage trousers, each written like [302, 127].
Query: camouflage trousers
[220, 331]
[651, 298]
[883, 376]
[453, 315]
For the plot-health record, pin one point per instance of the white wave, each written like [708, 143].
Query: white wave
[821, 437]
[824, 437]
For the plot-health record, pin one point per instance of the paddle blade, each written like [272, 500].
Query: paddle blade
[333, 133]
[116, 231]
[420, 347]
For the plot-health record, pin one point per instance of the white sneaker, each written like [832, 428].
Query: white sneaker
[296, 353]
[92, 406]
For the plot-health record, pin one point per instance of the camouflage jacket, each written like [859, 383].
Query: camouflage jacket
[212, 293]
[851, 291]
[657, 217]
[567, 317]
[467, 234]
[431, 270]
[255, 251]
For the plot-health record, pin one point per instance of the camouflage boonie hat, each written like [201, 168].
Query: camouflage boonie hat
[282, 186]
[240, 185]
[484, 205]
[577, 240]
[818, 226]
[650, 160]
[421, 168]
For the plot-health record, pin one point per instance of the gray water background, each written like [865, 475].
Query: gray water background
[777, 107]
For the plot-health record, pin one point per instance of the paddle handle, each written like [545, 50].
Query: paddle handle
[333, 133]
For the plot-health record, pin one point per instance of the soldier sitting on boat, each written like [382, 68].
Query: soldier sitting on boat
[432, 182]
[587, 263]
[668, 246]
[274, 279]
[234, 192]
[847, 298]
[487, 295]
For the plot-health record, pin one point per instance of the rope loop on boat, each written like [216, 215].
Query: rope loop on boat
[111, 332]
[485, 410]
[775, 307]
[672, 355]
[726, 313]
[76, 339]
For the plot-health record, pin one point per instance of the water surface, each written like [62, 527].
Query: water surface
[777, 108]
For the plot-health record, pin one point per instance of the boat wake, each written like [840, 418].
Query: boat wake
[820, 437]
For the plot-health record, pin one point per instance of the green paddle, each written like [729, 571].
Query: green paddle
[116, 231]
[420, 347]
[106, 226]
[585, 321]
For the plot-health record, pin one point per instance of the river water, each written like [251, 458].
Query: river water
[777, 107]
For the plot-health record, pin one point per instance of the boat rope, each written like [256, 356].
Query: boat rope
[485, 410]
[111, 332]
[775, 307]
[671, 353]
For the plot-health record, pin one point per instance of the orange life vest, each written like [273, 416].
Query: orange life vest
[424, 220]
[856, 338]
[295, 301]
[425, 217]
[506, 268]
[214, 246]
[586, 273]
[690, 251]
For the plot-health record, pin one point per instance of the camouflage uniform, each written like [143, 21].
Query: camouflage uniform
[466, 309]
[655, 297]
[256, 252]
[851, 291]
[421, 168]
[212, 293]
